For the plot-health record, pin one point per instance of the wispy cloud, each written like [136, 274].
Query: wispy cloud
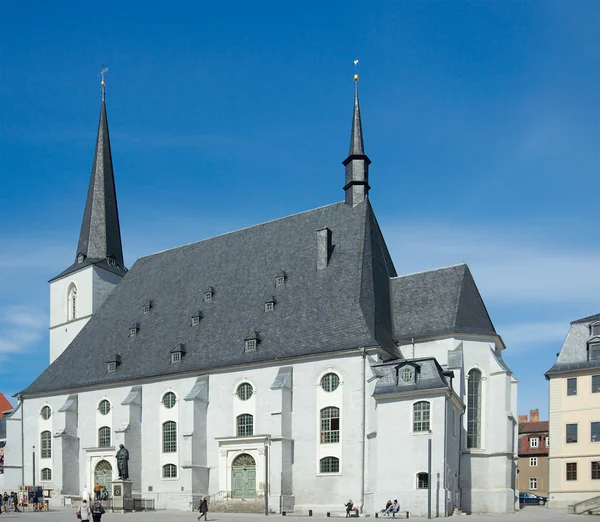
[20, 328]
[526, 336]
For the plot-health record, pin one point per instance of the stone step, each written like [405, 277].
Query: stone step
[238, 506]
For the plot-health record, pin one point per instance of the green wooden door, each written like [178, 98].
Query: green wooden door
[243, 477]
[103, 476]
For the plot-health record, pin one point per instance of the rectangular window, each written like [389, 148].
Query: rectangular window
[547, 442]
[422, 481]
[595, 351]
[176, 357]
[533, 462]
[571, 470]
[572, 386]
[595, 383]
[571, 433]
[595, 330]
[112, 367]
[330, 425]
[595, 435]
[533, 483]
[534, 442]
[250, 345]
[196, 320]
[596, 470]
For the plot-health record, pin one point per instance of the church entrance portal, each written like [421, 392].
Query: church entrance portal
[103, 476]
[243, 477]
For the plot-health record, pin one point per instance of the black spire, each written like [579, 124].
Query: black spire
[357, 162]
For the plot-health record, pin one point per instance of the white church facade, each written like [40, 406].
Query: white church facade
[290, 353]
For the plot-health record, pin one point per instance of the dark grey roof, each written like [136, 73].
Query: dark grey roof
[357, 146]
[574, 352]
[429, 376]
[344, 306]
[100, 236]
[438, 302]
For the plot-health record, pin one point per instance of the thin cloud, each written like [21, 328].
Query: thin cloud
[527, 336]
[20, 328]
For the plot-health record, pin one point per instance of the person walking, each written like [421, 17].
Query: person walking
[97, 511]
[84, 511]
[203, 508]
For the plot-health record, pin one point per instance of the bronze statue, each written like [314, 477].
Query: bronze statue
[122, 462]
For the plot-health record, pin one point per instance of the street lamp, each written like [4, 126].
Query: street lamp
[267, 477]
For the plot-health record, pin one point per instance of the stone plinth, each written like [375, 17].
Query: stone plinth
[122, 497]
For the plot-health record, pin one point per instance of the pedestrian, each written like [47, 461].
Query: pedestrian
[15, 501]
[349, 507]
[97, 489]
[84, 511]
[97, 511]
[203, 508]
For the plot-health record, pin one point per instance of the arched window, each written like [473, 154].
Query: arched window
[169, 400]
[104, 407]
[72, 303]
[330, 382]
[169, 437]
[104, 437]
[46, 412]
[46, 444]
[244, 391]
[330, 425]
[169, 471]
[46, 474]
[330, 465]
[474, 409]
[245, 425]
[421, 416]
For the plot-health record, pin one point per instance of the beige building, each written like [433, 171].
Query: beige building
[574, 458]
[532, 467]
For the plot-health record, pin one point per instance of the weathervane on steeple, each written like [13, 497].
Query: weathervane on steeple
[102, 73]
[356, 71]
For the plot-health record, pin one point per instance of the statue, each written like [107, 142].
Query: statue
[122, 462]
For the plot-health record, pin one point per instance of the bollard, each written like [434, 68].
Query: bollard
[407, 514]
[376, 515]
[328, 514]
[283, 513]
[310, 512]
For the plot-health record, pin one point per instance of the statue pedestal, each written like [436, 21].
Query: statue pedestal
[122, 497]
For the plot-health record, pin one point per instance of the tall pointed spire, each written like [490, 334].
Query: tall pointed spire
[357, 163]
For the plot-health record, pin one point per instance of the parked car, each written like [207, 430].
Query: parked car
[530, 498]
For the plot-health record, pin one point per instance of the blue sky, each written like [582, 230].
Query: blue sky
[482, 120]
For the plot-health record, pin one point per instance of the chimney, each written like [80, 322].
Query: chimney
[522, 419]
[324, 248]
[534, 415]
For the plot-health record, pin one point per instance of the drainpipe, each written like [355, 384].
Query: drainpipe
[445, 456]
[364, 407]
[22, 439]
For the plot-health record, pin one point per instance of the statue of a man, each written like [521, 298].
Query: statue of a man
[122, 462]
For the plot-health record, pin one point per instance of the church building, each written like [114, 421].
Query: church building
[287, 359]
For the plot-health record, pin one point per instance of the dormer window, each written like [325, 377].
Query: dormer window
[280, 278]
[112, 367]
[112, 261]
[270, 305]
[208, 294]
[175, 357]
[147, 307]
[196, 319]
[594, 351]
[595, 328]
[133, 330]
[80, 259]
[113, 363]
[177, 353]
[251, 341]
[407, 374]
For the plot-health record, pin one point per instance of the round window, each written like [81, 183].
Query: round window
[169, 400]
[104, 407]
[46, 412]
[244, 391]
[407, 374]
[330, 382]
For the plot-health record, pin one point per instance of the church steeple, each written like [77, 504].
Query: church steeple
[100, 236]
[357, 163]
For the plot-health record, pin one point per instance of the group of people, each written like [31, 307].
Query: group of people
[391, 508]
[10, 502]
[90, 510]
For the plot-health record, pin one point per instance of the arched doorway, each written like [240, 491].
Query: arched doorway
[243, 477]
[103, 476]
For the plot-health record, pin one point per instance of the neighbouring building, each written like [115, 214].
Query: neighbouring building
[574, 382]
[532, 474]
[294, 339]
[5, 410]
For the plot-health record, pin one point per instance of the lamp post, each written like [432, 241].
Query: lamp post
[33, 460]
[429, 476]
[266, 477]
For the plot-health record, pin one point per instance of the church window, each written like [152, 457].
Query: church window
[594, 351]
[533, 483]
[104, 437]
[46, 412]
[330, 465]
[330, 382]
[474, 409]
[169, 471]
[422, 480]
[595, 328]
[245, 391]
[571, 470]
[46, 474]
[250, 345]
[406, 375]
[571, 433]
[245, 425]
[46, 444]
[72, 303]
[175, 357]
[104, 407]
[595, 470]
[421, 416]
[169, 437]
[169, 400]
[330, 425]
[572, 386]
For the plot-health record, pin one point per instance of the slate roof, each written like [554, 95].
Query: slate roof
[429, 377]
[574, 352]
[438, 302]
[345, 306]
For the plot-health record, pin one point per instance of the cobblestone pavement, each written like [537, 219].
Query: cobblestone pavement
[532, 513]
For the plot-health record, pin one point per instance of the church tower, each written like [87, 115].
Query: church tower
[77, 292]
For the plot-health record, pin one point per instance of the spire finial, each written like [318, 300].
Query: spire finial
[102, 83]
[356, 72]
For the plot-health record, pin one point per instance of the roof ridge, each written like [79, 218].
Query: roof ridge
[242, 229]
[431, 270]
